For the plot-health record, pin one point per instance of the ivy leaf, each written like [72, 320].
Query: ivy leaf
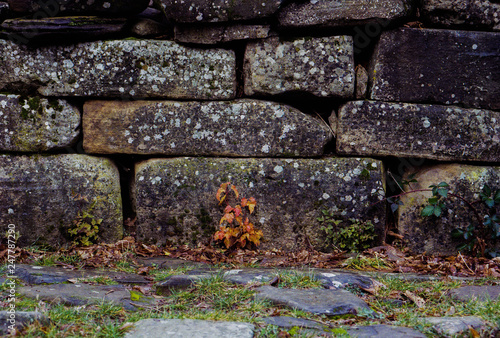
[427, 211]
[251, 204]
[220, 191]
[233, 188]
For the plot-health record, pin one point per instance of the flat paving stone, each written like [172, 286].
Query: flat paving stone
[384, 331]
[481, 293]
[318, 301]
[19, 319]
[189, 328]
[289, 322]
[452, 326]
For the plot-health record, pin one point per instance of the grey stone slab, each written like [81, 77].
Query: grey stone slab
[178, 282]
[432, 234]
[219, 10]
[119, 68]
[240, 128]
[77, 7]
[176, 201]
[33, 124]
[452, 326]
[220, 33]
[50, 274]
[333, 302]
[479, 292]
[19, 319]
[458, 13]
[340, 279]
[383, 331]
[43, 196]
[369, 128]
[420, 65]
[189, 328]
[82, 294]
[289, 322]
[323, 66]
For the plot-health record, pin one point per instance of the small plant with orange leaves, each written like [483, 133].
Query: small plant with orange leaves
[238, 231]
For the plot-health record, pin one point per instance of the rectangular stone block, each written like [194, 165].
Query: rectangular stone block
[119, 68]
[323, 67]
[43, 197]
[176, 201]
[219, 33]
[228, 128]
[433, 234]
[437, 66]
[371, 128]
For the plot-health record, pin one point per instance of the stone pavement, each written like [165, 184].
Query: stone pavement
[59, 285]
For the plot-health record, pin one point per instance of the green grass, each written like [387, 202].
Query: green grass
[298, 280]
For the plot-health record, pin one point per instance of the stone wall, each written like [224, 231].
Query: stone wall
[115, 111]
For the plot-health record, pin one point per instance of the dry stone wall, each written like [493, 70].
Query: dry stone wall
[139, 110]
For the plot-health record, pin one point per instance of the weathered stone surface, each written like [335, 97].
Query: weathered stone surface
[36, 124]
[213, 34]
[175, 283]
[321, 66]
[420, 65]
[289, 322]
[43, 9]
[318, 301]
[82, 294]
[228, 128]
[383, 331]
[479, 292]
[145, 27]
[26, 30]
[19, 320]
[431, 234]
[176, 201]
[453, 326]
[156, 328]
[483, 13]
[119, 68]
[43, 195]
[361, 82]
[333, 13]
[439, 132]
[219, 10]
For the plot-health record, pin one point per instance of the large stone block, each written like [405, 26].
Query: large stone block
[420, 65]
[227, 128]
[219, 10]
[321, 66]
[212, 34]
[482, 13]
[35, 124]
[433, 234]
[334, 13]
[77, 7]
[43, 195]
[438, 132]
[119, 68]
[176, 197]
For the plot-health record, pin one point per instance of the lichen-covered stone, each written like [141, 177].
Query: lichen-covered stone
[437, 66]
[213, 34]
[219, 10]
[176, 201]
[321, 66]
[76, 7]
[450, 13]
[433, 234]
[438, 132]
[119, 68]
[36, 124]
[361, 82]
[334, 13]
[227, 128]
[42, 196]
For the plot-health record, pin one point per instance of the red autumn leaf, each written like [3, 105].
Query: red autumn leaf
[237, 211]
[244, 202]
[229, 217]
[239, 220]
[251, 204]
[220, 191]
[235, 191]
[228, 209]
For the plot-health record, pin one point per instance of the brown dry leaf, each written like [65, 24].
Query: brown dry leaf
[141, 289]
[474, 333]
[376, 286]
[126, 326]
[419, 301]
[73, 280]
[144, 270]
[283, 334]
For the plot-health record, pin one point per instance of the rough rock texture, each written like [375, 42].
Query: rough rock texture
[383, 331]
[119, 68]
[219, 10]
[438, 132]
[145, 27]
[479, 292]
[361, 82]
[151, 328]
[228, 128]
[43, 195]
[483, 13]
[333, 13]
[176, 197]
[36, 124]
[75, 7]
[453, 326]
[321, 66]
[21, 319]
[317, 301]
[420, 65]
[213, 34]
[25, 30]
[431, 234]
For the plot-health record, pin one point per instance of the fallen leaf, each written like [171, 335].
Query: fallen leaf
[474, 333]
[419, 301]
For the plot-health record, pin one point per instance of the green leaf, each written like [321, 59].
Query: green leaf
[487, 190]
[457, 233]
[437, 211]
[433, 200]
[490, 203]
[443, 185]
[497, 196]
[427, 211]
[443, 192]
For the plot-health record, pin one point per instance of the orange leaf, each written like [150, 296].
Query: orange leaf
[239, 220]
[244, 202]
[229, 217]
[228, 209]
[235, 191]
[251, 204]
[237, 210]
[220, 191]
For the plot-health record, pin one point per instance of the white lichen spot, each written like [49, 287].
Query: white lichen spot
[278, 169]
[426, 123]
[265, 148]
[325, 196]
[10, 211]
[130, 140]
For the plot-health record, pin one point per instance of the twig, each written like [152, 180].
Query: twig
[397, 183]
[463, 260]
[322, 120]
